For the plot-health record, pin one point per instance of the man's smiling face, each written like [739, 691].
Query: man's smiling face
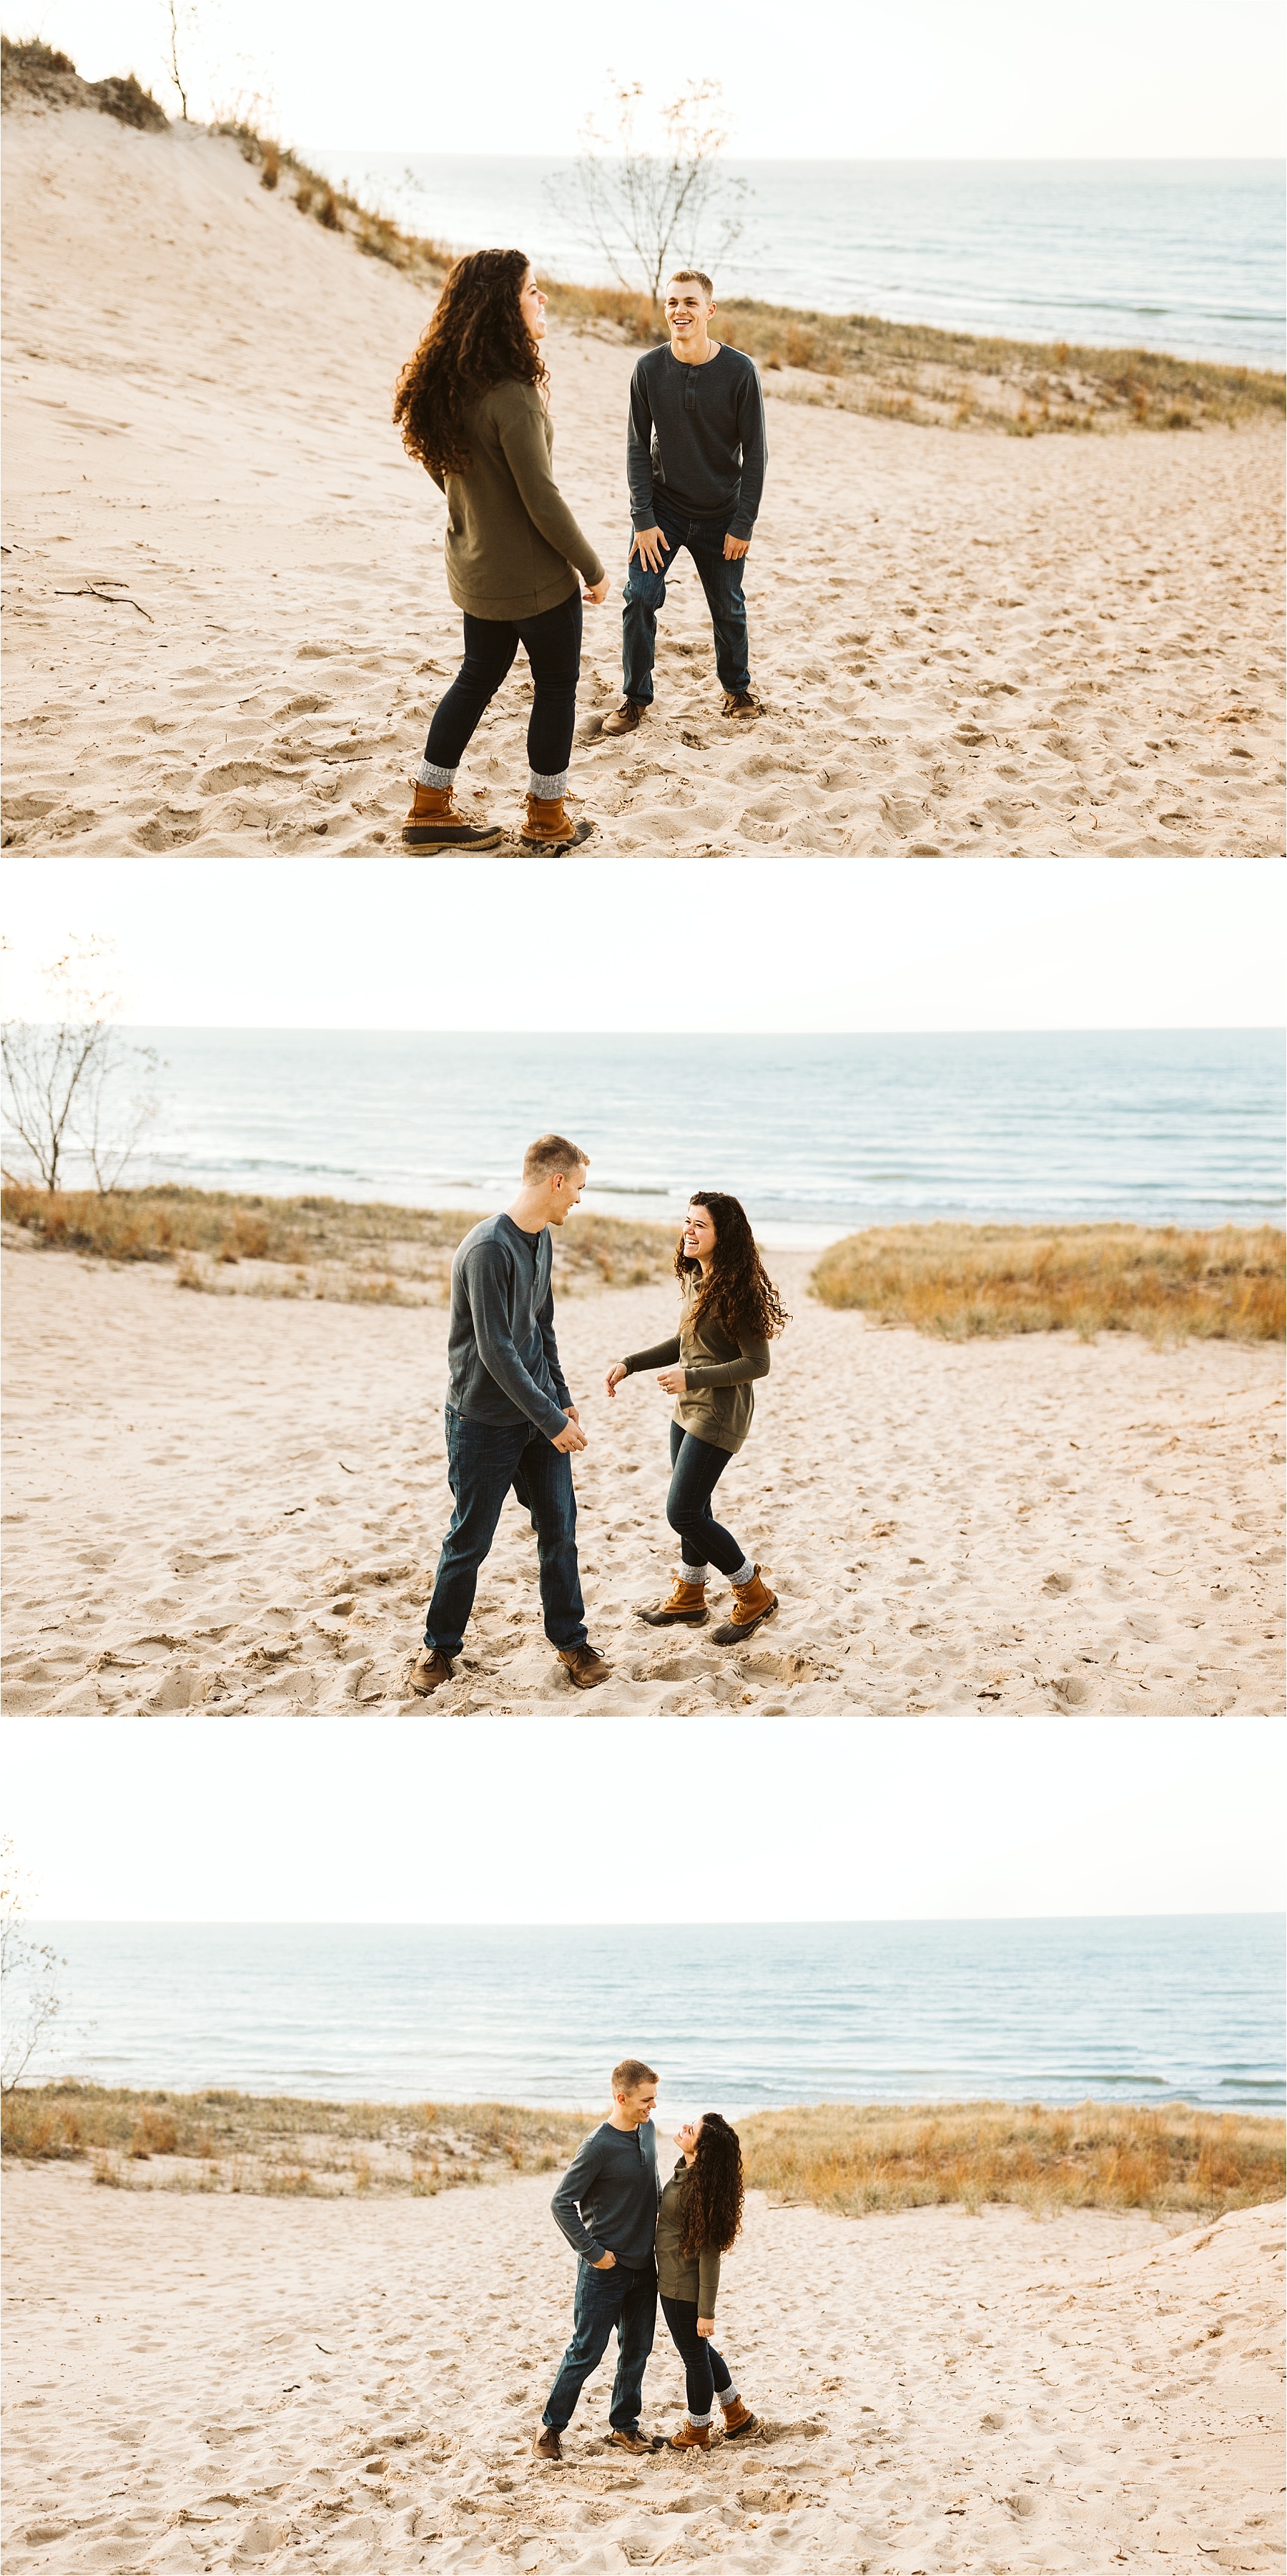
[687, 311]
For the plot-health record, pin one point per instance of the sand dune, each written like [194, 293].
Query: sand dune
[964, 642]
[234, 1504]
[214, 2382]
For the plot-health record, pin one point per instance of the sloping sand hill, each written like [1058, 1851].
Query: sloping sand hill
[229, 620]
[1033, 1525]
[221, 2382]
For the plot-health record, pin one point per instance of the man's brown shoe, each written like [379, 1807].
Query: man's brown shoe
[585, 1666]
[685, 1608]
[741, 705]
[690, 2437]
[753, 1603]
[547, 2445]
[435, 822]
[430, 1670]
[635, 2442]
[738, 2420]
[626, 719]
[549, 826]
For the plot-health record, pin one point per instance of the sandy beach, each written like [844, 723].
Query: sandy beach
[219, 2382]
[235, 1503]
[229, 621]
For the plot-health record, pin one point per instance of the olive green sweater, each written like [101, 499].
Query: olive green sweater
[513, 546]
[718, 1402]
[683, 2276]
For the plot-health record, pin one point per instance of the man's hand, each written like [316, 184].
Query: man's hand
[605, 2265]
[734, 549]
[596, 597]
[571, 1436]
[615, 1375]
[673, 1382]
[706, 2325]
[650, 544]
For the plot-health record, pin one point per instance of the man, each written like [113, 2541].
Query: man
[696, 452]
[510, 1419]
[606, 2206]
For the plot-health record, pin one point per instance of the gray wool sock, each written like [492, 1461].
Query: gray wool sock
[556, 784]
[429, 775]
[745, 1572]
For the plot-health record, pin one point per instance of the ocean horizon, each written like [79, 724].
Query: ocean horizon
[818, 1135]
[1133, 2009]
[1177, 255]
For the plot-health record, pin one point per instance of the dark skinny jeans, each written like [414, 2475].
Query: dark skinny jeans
[552, 643]
[697, 1466]
[705, 2369]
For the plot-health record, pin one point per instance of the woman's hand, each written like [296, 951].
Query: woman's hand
[673, 1381]
[615, 1375]
[706, 2325]
[596, 597]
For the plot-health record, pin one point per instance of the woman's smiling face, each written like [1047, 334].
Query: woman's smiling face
[699, 1233]
[531, 304]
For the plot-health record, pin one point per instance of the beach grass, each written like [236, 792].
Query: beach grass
[343, 1250]
[849, 2157]
[962, 1281]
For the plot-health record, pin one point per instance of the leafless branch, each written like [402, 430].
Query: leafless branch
[646, 211]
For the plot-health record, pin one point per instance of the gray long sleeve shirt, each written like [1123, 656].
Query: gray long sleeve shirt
[607, 2200]
[698, 435]
[502, 1357]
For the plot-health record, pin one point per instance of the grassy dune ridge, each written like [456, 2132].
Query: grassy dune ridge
[852, 361]
[960, 1281]
[353, 1251]
[847, 2157]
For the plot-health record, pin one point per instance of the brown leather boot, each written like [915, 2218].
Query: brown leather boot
[685, 1608]
[435, 822]
[586, 1667]
[549, 826]
[690, 2437]
[626, 718]
[430, 1670]
[753, 1603]
[547, 2445]
[743, 704]
[738, 2419]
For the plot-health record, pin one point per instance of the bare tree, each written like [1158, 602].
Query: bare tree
[29, 1996]
[63, 1078]
[176, 15]
[648, 211]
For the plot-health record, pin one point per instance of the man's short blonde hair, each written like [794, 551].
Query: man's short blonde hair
[631, 2073]
[692, 277]
[551, 1154]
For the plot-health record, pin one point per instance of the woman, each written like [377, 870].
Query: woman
[731, 1312]
[699, 2217]
[472, 405]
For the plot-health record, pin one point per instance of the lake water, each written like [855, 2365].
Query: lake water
[1144, 2009]
[1178, 255]
[816, 1135]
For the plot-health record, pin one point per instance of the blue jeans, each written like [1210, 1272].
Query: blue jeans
[484, 1460]
[697, 1466]
[552, 643]
[705, 2370]
[625, 2297]
[722, 582]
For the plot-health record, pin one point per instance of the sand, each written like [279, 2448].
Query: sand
[205, 2382]
[963, 641]
[232, 1504]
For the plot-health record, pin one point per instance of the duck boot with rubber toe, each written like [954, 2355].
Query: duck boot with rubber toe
[549, 826]
[739, 2420]
[686, 1607]
[435, 822]
[753, 1603]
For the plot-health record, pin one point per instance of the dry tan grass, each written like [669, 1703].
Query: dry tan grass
[346, 1251]
[845, 2156]
[858, 2157]
[964, 1280]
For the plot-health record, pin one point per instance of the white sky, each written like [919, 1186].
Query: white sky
[808, 944]
[492, 1821]
[925, 79]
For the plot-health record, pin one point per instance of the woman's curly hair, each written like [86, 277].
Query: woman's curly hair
[713, 2198]
[737, 1290]
[477, 339]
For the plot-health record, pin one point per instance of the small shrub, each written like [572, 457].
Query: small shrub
[272, 169]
